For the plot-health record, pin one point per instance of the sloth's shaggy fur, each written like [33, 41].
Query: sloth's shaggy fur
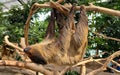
[69, 47]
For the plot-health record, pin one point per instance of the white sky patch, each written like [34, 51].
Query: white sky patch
[103, 1]
[42, 17]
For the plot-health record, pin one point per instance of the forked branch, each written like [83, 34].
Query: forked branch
[109, 59]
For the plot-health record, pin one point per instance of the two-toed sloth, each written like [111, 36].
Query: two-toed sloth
[69, 47]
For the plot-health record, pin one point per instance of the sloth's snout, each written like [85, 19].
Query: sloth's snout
[27, 49]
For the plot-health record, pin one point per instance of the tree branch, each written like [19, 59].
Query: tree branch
[17, 48]
[32, 11]
[31, 66]
[103, 10]
[22, 43]
[106, 37]
[115, 63]
[65, 70]
[60, 1]
[83, 72]
[59, 7]
[110, 58]
[92, 7]
[64, 9]
[11, 44]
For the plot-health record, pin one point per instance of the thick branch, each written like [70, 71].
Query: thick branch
[11, 44]
[65, 8]
[22, 43]
[32, 66]
[33, 9]
[59, 7]
[99, 9]
[103, 10]
[38, 68]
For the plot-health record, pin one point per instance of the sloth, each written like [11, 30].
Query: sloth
[69, 46]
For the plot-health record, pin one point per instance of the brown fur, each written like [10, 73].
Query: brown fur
[69, 47]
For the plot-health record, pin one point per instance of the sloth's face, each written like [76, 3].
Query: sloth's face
[35, 56]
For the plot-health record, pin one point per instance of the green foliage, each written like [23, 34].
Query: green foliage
[107, 25]
[71, 73]
[3, 22]
[37, 31]
[12, 22]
